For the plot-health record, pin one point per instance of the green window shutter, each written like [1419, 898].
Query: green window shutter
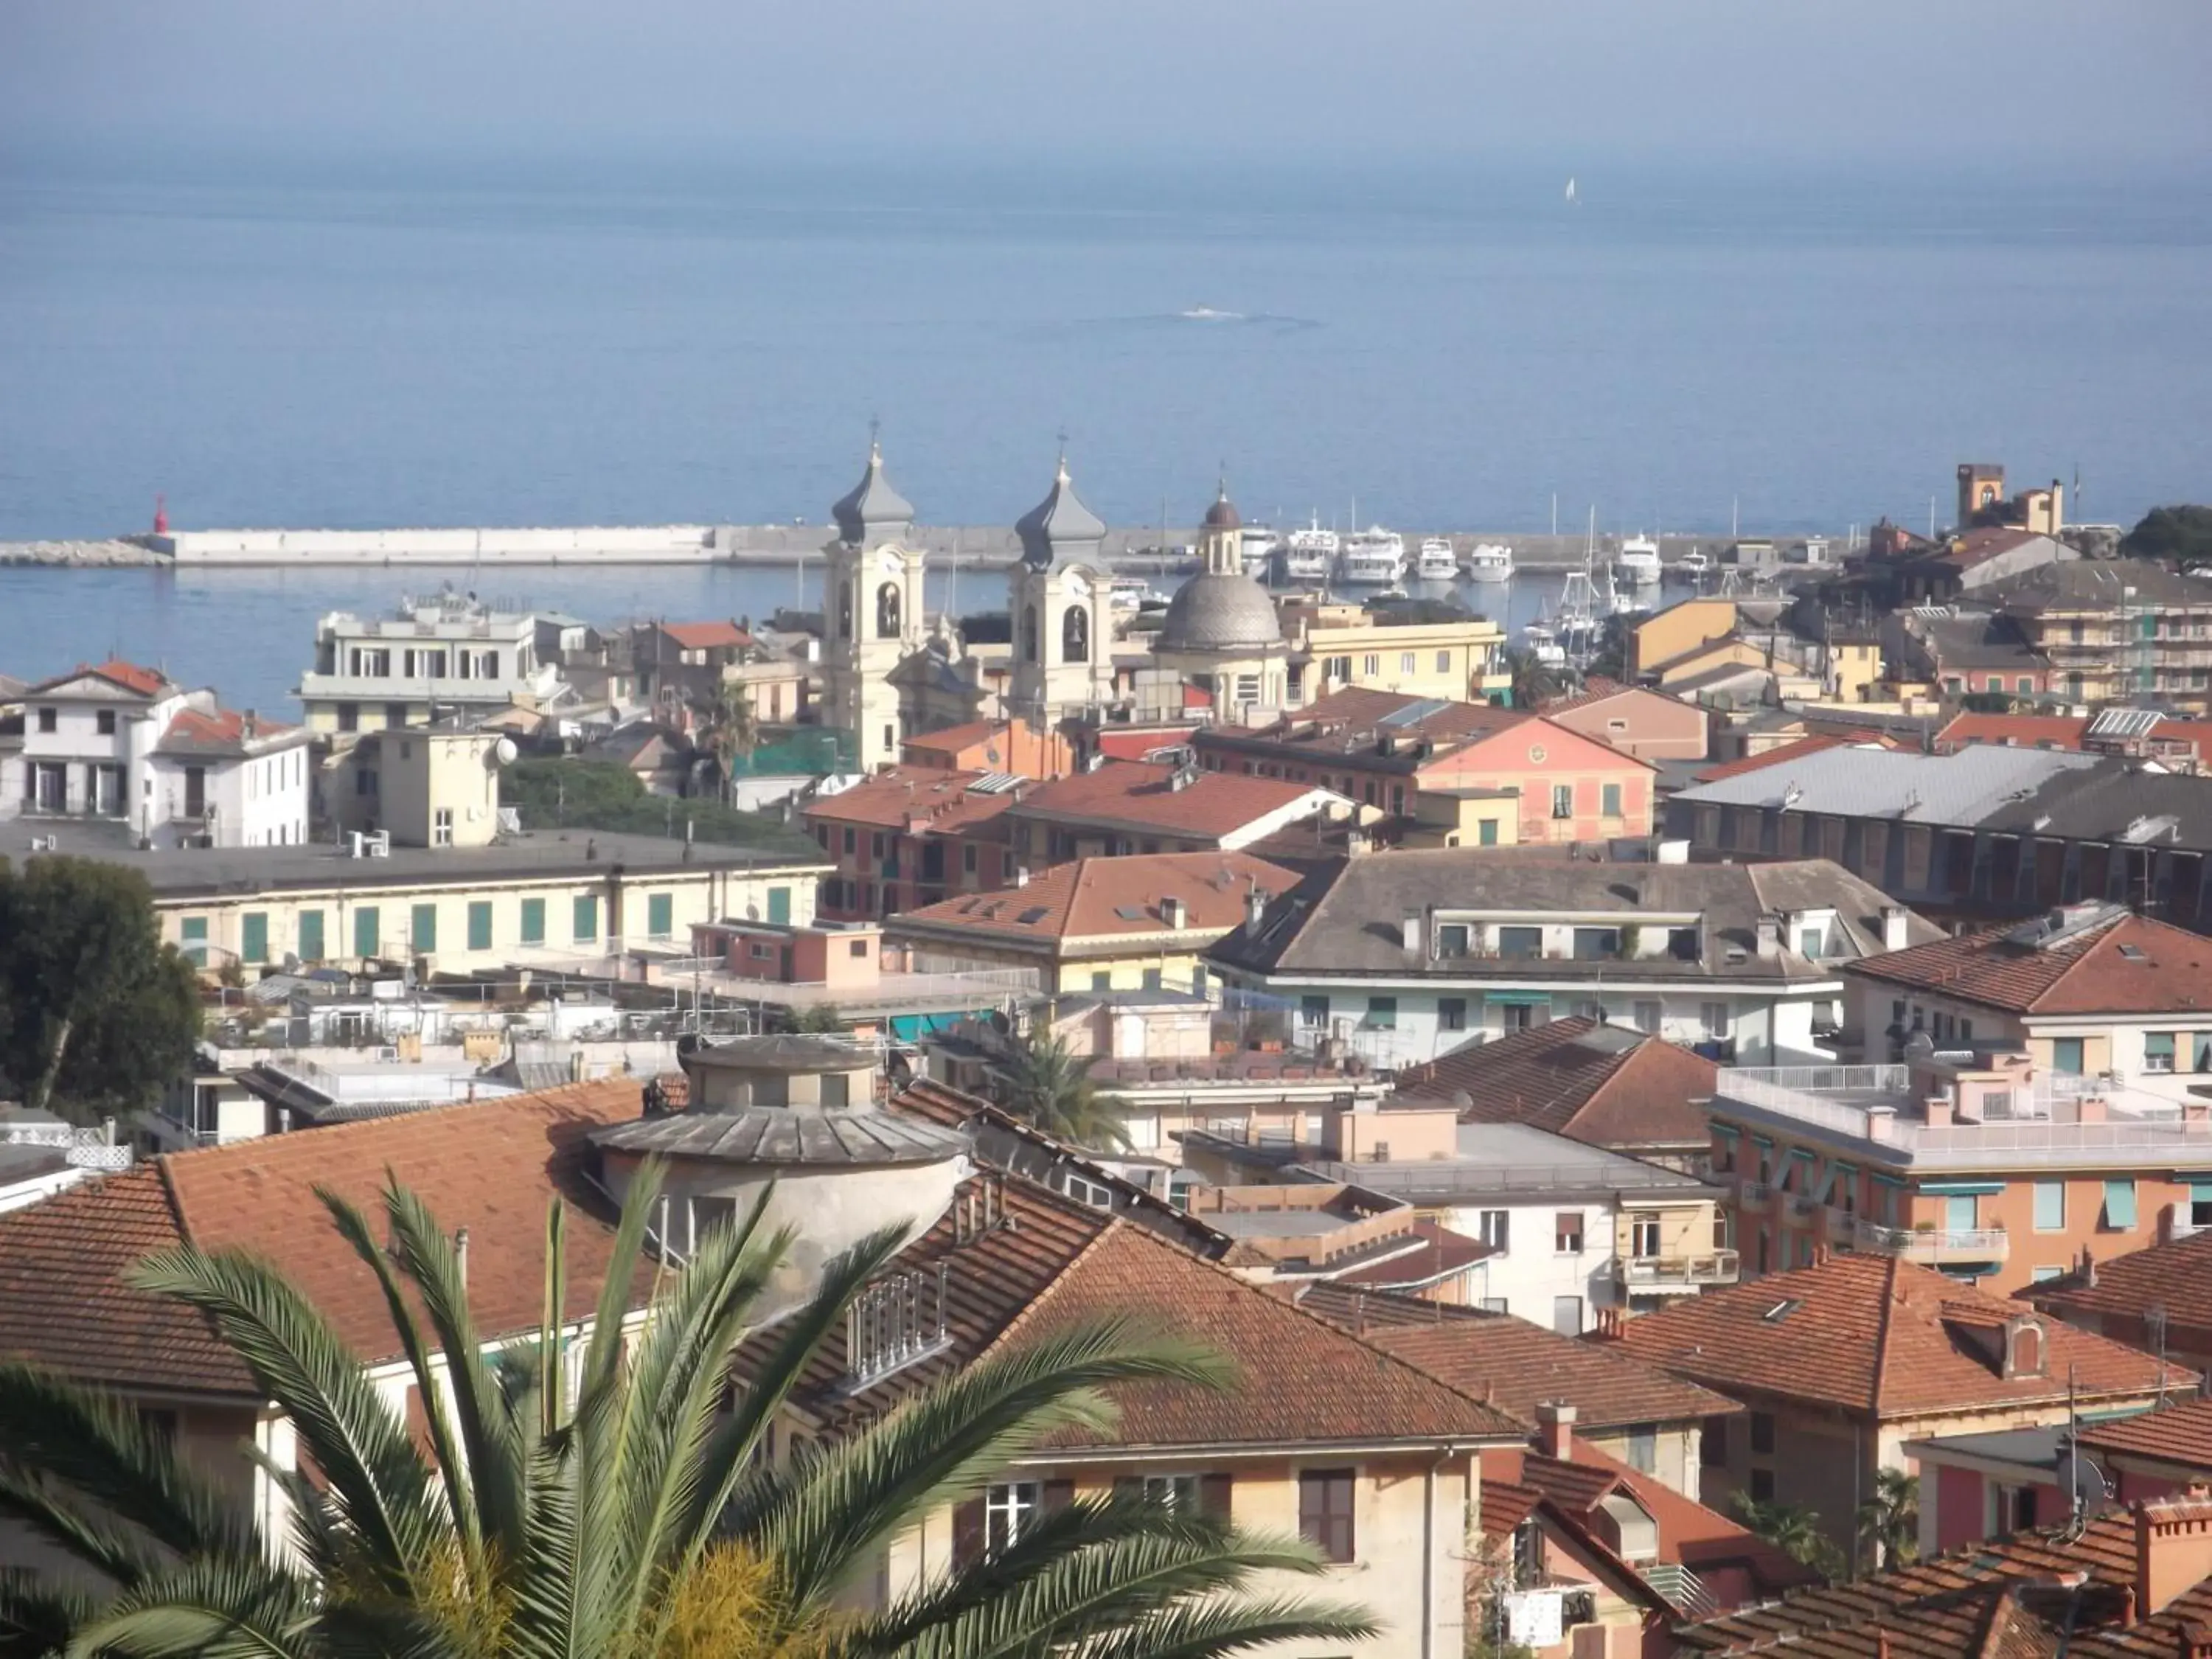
[661, 914]
[254, 936]
[779, 904]
[311, 935]
[587, 928]
[2120, 1206]
[1486, 832]
[423, 927]
[533, 921]
[480, 924]
[367, 932]
[2050, 1206]
[194, 934]
[1612, 801]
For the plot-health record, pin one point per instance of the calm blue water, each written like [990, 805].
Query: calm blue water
[404, 348]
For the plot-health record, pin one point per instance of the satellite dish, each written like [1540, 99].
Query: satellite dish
[2088, 1488]
[504, 751]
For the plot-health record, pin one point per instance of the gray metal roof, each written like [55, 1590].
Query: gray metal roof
[787, 1054]
[871, 511]
[1959, 789]
[1217, 611]
[787, 1135]
[1059, 529]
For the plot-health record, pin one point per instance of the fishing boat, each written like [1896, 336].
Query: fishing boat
[1256, 545]
[1638, 562]
[1308, 555]
[1372, 557]
[1436, 563]
[1490, 561]
[1543, 645]
[1693, 566]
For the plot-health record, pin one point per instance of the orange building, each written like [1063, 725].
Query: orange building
[1014, 746]
[910, 836]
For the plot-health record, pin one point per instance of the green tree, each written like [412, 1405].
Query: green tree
[1048, 1087]
[1794, 1530]
[2182, 533]
[732, 731]
[631, 1518]
[97, 1013]
[823, 1019]
[1889, 1522]
[1532, 683]
[549, 793]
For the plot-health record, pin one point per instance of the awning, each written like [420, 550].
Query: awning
[1961, 1188]
[1519, 999]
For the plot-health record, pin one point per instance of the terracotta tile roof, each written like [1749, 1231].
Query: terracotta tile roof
[2176, 1434]
[1871, 1333]
[491, 1167]
[922, 800]
[145, 682]
[958, 736]
[1141, 795]
[706, 635]
[1448, 1252]
[1052, 1264]
[222, 731]
[1606, 1085]
[1798, 750]
[1103, 897]
[1143, 742]
[1505, 1504]
[1515, 1364]
[2176, 1277]
[2128, 965]
[1594, 688]
[2014, 731]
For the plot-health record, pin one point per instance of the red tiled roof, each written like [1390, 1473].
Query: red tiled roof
[894, 800]
[1498, 1358]
[956, 738]
[2178, 1434]
[1100, 897]
[1142, 795]
[1595, 687]
[2176, 1277]
[1871, 1333]
[1359, 712]
[1143, 742]
[1622, 1088]
[706, 635]
[491, 1166]
[223, 730]
[146, 682]
[2131, 965]
[1447, 1253]
[1054, 1265]
[2012, 731]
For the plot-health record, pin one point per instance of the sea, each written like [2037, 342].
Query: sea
[1433, 343]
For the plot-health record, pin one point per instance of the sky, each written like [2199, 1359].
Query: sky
[1965, 84]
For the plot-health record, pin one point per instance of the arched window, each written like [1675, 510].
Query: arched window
[1029, 633]
[887, 611]
[1075, 634]
[844, 610]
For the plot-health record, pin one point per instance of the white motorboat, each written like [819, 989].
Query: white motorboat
[1308, 555]
[1543, 645]
[1490, 561]
[1436, 563]
[1256, 544]
[1128, 593]
[1372, 557]
[1693, 566]
[1638, 562]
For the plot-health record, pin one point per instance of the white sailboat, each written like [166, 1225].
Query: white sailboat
[1571, 197]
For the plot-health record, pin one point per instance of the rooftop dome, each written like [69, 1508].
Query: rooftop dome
[1060, 527]
[1222, 515]
[872, 506]
[1217, 611]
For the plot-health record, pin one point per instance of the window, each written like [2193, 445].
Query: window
[2120, 1206]
[1493, 1226]
[1451, 938]
[1567, 1232]
[661, 914]
[1383, 1013]
[395, 714]
[104, 722]
[1644, 1237]
[1405, 662]
[1714, 1016]
[1594, 943]
[1372, 665]
[1444, 662]
[1762, 1434]
[2050, 1206]
[254, 936]
[1102, 979]
[367, 932]
[348, 717]
[1524, 943]
[1312, 1013]
[968, 859]
[584, 919]
[50, 719]
[480, 924]
[1325, 1512]
[1009, 1508]
[1762, 1486]
[2066, 1055]
[1644, 1447]
[194, 933]
[1151, 979]
[311, 935]
[1485, 832]
[1609, 800]
[2157, 1051]
[849, 841]
[1647, 1017]
[1563, 800]
[1567, 1314]
[533, 921]
[423, 927]
[1712, 1444]
[1451, 1013]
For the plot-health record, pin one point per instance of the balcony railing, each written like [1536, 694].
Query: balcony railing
[1930, 1245]
[1715, 1267]
[1753, 1195]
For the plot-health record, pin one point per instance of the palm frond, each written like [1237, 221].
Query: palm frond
[79, 1528]
[1205, 1630]
[205, 1609]
[37, 1614]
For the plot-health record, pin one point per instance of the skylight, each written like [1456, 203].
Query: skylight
[1035, 913]
[1782, 1309]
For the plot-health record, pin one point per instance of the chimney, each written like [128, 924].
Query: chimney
[1256, 906]
[461, 1255]
[1021, 875]
[1893, 936]
[1171, 911]
[1555, 1430]
[2194, 1639]
[1411, 929]
[1770, 936]
[2173, 1548]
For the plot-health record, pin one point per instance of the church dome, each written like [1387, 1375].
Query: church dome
[1222, 515]
[871, 511]
[1217, 611]
[1060, 530]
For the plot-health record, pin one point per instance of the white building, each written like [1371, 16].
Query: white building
[444, 655]
[127, 746]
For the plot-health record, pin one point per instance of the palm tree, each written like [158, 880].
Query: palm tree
[1051, 1089]
[623, 1512]
[732, 730]
[1794, 1530]
[1532, 683]
[1890, 1520]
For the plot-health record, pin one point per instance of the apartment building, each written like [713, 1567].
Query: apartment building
[1401, 956]
[1411, 650]
[445, 654]
[2115, 628]
[1117, 808]
[124, 748]
[1381, 749]
[910, 837]
[2158, 1297]
[1633, 719]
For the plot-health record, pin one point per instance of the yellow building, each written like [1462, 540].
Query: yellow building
[1669, 633]
[1340, 646]
[1097, 924]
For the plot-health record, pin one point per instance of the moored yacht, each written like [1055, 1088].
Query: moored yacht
[1437, 561]
[1374, 557]
[1490, 561]
[1693, 566]
[1638, 562]
[1256, 545]
[1308, 555]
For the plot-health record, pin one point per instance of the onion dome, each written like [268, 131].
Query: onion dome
[871, 511]
[1222, 515]
[1059, 529]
